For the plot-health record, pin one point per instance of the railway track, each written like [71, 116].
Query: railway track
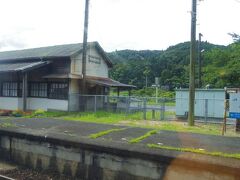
[5, 178]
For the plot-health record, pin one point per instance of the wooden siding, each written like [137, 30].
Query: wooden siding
[94, 68]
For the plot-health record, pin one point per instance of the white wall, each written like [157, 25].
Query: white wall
[234, 102]
[9, 103]
[213, 98]
[47, 104]
[92, 69]
[13, 103]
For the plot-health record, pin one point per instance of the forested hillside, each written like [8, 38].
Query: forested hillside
[221, 66]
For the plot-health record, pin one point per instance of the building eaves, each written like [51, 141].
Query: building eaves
[58, 51]
[21, 66]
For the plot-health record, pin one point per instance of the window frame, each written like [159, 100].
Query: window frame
[17, 89]
[60, 95]
[65, 97]
[38, 90]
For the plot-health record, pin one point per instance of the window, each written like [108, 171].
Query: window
[10, 89]
[58, 91]
[38, 89]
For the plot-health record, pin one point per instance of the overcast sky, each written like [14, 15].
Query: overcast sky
[115, 24]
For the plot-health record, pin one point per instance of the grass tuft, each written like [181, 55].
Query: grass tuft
[138, 139]
[6, 125]
[103, 133]
[193, 150]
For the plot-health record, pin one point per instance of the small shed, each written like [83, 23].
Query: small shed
[208, 102]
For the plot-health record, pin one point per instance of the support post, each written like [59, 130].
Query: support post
[145, 109]
[84, 54]
[162, 112]
[108, 103]
[238, 125]
[199, 61]
[192, 65]
[129, 92]
[95, 103]
[25, 90]
[156, 94]
[157, 85]
[146, 81]
[153, 114]
[224, 128]
[206, 110]
[128, 105]
[118, 91]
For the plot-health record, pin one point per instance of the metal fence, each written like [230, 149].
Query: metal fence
[205, 109]
[150, 108]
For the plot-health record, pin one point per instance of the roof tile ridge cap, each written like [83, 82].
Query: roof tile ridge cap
[39, 47]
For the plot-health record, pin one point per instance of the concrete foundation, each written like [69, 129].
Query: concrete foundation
[90, 161]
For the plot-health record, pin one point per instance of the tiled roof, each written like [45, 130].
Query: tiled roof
[65, 50]
[20, 66]
[50, 51]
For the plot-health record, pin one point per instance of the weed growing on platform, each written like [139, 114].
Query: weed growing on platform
[46, 114]
[193, 150]
[6, 125]
[103, 133]
[138, 139]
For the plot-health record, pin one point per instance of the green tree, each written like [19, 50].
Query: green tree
[235, 37]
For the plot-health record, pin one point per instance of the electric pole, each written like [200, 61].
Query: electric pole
[84, 54]
[192, 64]
[199, 61]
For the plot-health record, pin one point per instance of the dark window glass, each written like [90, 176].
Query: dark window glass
[10, 89]
[38, 89]
[58, 91]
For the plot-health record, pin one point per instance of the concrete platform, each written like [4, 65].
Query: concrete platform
[75, 135]
[75, 130]
[4, 166]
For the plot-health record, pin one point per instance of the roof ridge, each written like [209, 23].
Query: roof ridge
[42, 47]
[68, 44]
[62, 50]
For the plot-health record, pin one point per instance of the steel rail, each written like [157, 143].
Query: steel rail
[5, 178]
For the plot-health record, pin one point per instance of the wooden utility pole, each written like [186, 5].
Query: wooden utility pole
[84, 54]
[192, 64]
[199, 61]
